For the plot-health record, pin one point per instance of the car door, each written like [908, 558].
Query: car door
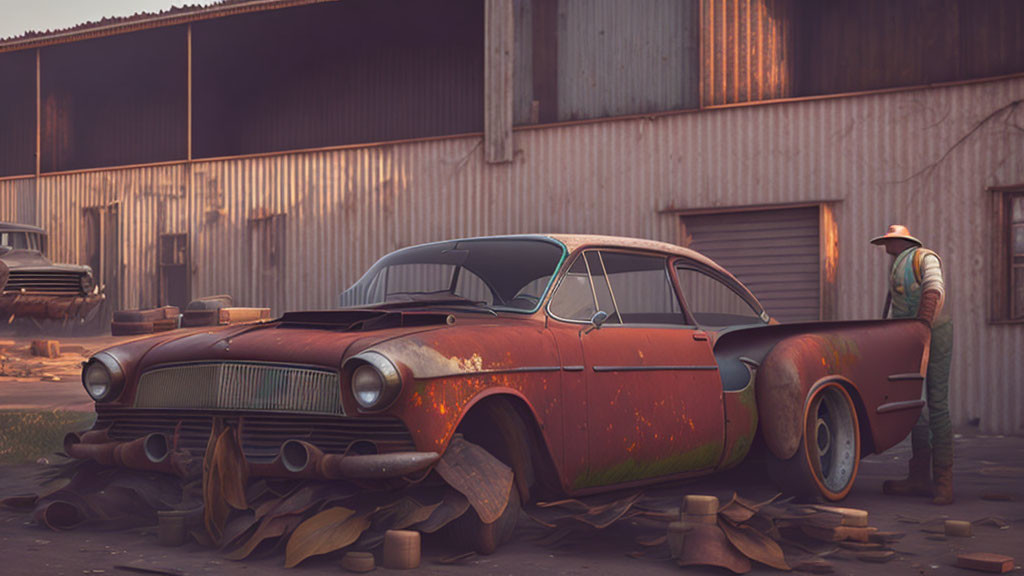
[654, 399]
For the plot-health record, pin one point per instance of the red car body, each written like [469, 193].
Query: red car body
[598, 407]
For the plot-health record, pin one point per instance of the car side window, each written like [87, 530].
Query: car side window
[574, 298]
[712, 302]
[641, 288]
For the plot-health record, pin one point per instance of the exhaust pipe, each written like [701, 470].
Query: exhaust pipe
[151, 453]
[299, 457]
[156, 448]
[306, 460]
[102, 453]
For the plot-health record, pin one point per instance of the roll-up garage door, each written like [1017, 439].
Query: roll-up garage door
[775, 253]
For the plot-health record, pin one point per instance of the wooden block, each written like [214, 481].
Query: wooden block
[958, 528]
[46, 348]
[358, 562]
[985, 562]
[235, 315]
[676, 536]
[851, 516]
[877, 556]
[698, 505]
[401, 549]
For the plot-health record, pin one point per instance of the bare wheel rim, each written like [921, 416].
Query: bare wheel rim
[832, 439]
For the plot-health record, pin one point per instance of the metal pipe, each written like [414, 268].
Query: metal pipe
[375, 466]
[151, 453]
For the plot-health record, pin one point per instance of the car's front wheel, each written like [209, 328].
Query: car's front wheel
[826, 462]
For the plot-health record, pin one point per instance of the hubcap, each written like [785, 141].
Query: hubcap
[835, 439]
[824, 437]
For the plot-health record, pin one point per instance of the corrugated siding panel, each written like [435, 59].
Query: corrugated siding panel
[773, 252]
[522, 74]
[748, 50]
[151, 201]
[619, 57]
[878, 155]
[337, 73]
[18, 201]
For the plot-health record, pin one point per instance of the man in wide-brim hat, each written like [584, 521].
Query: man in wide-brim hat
[916, 290]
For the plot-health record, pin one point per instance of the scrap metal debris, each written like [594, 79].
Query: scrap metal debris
[734, 536]
[220, 506]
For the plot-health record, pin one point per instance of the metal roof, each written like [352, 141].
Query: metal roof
[144, 20]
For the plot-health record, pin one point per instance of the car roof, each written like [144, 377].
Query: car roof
[11, 226]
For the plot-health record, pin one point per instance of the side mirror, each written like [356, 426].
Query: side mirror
[596, 321]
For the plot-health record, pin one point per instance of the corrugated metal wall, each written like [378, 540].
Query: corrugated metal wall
[18, 113]
[885, 158]
[17, 201]
[906, 42]
[619, 57]
[150, 201]
[748, 50]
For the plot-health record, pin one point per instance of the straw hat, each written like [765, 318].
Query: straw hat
[896, 232]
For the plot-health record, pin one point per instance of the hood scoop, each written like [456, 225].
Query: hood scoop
[363, 320]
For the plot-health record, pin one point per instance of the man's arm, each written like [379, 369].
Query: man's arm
[933, 291]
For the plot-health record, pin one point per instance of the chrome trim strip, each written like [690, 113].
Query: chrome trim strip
[573, 368]
[650, 368]
[907, 376]
[898, 406]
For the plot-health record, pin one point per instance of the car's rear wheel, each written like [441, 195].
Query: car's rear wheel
[826, 462]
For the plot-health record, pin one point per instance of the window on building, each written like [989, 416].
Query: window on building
[1008, 257]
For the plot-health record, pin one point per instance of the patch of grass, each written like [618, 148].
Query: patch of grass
[25, 435]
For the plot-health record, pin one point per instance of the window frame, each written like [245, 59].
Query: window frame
[1005, 261]
[733, 285]
[668, 269]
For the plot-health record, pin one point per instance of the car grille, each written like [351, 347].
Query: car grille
[241, 386]
[49, 282]
[262, 433]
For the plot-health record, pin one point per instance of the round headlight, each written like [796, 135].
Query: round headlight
[375, 381]
[87, 283]
[102, 377]
[97, 380]
[367, 385]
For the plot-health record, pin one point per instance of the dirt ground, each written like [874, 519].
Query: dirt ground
[985, 465]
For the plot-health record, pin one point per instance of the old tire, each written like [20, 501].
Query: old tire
[826, 462]
[484, 539]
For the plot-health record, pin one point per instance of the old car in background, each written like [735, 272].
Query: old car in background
[31, 286]
[585, 363]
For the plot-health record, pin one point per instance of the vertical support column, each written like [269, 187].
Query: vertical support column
[499, 45]
[39, 116]
[545, 59]
[188, 96]
[39, 142]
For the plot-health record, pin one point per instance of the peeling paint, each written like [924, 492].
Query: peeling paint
[701, 458]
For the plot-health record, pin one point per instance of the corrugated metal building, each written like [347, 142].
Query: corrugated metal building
[274, 150]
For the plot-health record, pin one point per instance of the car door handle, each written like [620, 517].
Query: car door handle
[700, 335]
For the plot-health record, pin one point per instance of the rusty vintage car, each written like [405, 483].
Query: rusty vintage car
[31, 286]
[586, 363]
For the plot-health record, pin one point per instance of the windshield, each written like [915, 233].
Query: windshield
[20, 240]
[510, 274]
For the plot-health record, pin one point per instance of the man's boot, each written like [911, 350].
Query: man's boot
[918, 482]
[943, 485]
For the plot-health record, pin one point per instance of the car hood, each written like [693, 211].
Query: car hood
[315, 338]
[31, 260]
